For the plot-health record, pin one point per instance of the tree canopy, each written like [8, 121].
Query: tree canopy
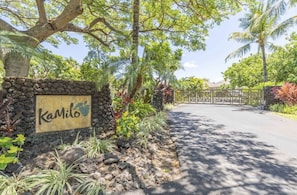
[185, 23]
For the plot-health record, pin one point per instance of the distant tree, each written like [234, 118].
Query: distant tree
[192, 84]
[260, 24]
[246, 73]
[284, 61]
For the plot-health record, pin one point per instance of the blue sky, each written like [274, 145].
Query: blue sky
[203, 64]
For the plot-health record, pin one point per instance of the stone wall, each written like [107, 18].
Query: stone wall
[269, 97]
[23, 92]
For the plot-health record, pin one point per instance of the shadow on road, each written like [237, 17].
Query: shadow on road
[217, 161]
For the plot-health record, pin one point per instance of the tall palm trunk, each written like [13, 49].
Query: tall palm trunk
[135, 37]
[264, 62]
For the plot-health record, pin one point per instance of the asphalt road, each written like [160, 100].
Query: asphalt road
[231, 150]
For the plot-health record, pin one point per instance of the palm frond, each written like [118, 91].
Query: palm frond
[273, 47]
[239, 52]
[282, 28]
[242, 37]
[271, 12]
[277, 9]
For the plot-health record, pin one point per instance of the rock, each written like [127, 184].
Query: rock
[119, 188]
[123, 144]
[13, 168]
[126, 176]
[123, 165]
[96, 175]
[109, 177]
[110, 158]
[72, 154]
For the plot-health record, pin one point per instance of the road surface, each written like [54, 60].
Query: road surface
[227, 149]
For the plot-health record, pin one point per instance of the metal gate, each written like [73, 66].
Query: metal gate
[220, 96]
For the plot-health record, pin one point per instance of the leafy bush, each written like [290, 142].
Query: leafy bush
[287, 93]
[290, 109]
[277, 108]
[127, 125]
[9, 150]
[141, 110]
[283, 108]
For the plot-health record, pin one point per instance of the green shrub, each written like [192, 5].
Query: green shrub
[10, 149]
[127, 125]
[141, 110]
[277, 108]
[283, 108]
[290, 109]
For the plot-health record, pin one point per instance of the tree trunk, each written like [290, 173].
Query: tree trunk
[135, 32]
[16, 64]
[135, 36]
[264, 63]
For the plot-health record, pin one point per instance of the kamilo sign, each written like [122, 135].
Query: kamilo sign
[62, 112]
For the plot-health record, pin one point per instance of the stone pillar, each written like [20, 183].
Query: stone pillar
[158, 100]
[269, 97]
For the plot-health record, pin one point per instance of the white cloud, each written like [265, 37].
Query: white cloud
[190, 65]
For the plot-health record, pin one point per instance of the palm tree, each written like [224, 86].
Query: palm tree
[261, 24]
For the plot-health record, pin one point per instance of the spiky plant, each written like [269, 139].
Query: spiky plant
[149, 125]
[95, 146]
[59, 181]
[90, 187]
[15, 184]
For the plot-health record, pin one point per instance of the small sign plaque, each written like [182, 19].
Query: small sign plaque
[62, 112]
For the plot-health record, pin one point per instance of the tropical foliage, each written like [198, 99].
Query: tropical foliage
[287, 93]
[246, 73]
[260, 24]
[109, 23]
[192, 84]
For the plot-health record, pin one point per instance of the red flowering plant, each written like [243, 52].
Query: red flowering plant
[287, 93]
[119, 102]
